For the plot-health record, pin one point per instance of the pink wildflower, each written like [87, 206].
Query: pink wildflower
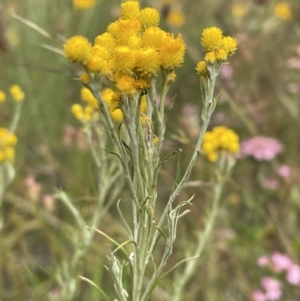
[272, 288]
[293, 274]
[261, 148]
[48, 202]
[263, 261]
[269, 183]
[259, 296]
[280, 262]
[226, 71]
[284, 171]
[34, 188]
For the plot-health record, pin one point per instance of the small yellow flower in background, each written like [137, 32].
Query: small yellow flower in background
[239, 10]
[176, 18]
[77, 49]
[283, 11]
[7, 142]
[85, 78]
[117, 115]
[2, 96]
[16, 93]
[77, 111]
[87, 96]
[220, 139]
[84, 4]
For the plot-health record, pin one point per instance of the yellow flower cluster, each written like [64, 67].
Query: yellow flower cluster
[2, 96]
[8, 141]
[84, 4]
[16, 93]
[283, 11]
[218, 48]
[220, 138]
[89, 111]
[132, 50]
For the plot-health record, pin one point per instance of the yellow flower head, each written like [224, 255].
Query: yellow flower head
[124, 59]
[2, 96]
[229, 44]
[211, 38]
[16, 93]
[7, 142]
[77, 49]
[106, 40]
[220, 139]
[221, 55]
[147, 61]
[172, 52]
[98, 58]
[210, 57]
[130, 9]
[144, 104]
[85, 78]
[153, 37]
[149, 17]
[239, 10]
[117, 115]
[84, 4]
[77, 111]
[88, 97]
[283, 11]
[176, 18]
[202, 68]
[125, 83]
[123, 29]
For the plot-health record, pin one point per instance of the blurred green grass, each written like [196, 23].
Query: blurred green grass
[257, 99]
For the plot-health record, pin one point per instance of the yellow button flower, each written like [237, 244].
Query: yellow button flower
[16, 93]
[7, 142]
[283, 11]
[211, 38]
[2, 96]
[77, 49]
[130, 9]
[84, 4]
[149, 17]
[220, 139]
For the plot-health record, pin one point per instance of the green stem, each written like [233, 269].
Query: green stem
[203, 239]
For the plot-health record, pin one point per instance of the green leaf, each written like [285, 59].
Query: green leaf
[166, 158]
[102, 293]
[124, 244]
[124, 221]
[178, 169]
[127, 148]
[163, 234]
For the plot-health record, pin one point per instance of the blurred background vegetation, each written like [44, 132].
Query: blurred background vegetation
[260, 96]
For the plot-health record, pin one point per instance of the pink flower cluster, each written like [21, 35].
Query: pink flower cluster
[261, 148]
[271, 288]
